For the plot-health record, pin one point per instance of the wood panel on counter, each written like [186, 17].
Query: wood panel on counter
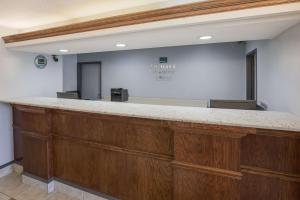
[186, 10]
[206, 162]
[118, 173]
[145, 159]
[270, 164]
[138, 135]
[127, 159]
[192, 185]
[32, 126]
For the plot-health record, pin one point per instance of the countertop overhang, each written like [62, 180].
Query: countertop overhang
[242, 118]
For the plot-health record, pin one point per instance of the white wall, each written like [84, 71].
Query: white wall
[19, 77]
[203, 71]
[279, 71]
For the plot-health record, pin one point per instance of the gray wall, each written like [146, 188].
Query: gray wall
[203, 71]
[70, 72]
[279, 70]
[19, 77]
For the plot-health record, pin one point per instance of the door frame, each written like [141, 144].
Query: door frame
[251, 67]
[79, 76]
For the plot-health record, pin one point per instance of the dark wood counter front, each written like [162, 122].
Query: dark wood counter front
[144, 159]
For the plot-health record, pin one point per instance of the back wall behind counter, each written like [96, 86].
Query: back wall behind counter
[202, 71]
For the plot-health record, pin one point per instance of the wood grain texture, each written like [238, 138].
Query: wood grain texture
[144, 159]
[270, 173]
[119, 174]
[271, 165]
[33, 140]
[278, 152]
[207, 162]
[207, 150]
[212, 129]
[261, 187]
[187, 10]
[37, 155]
[192, 185]
[131, 134]
[207, 170]
[18, 145]
[31, 119]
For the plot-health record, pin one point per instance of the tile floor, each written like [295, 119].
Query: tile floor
[12, 188]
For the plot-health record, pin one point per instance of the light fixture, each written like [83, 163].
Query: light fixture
[120, 45]
[206, 37]
[64, 50]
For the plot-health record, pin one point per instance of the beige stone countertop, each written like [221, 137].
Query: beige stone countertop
[242, 118]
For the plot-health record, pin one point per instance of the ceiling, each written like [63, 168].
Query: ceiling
[185, 35]
[244, 25]
[28, 15]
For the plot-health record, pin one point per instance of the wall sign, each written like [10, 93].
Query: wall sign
[40, 61]
[163, 70]
[163, 59]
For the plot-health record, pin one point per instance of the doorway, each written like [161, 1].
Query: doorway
[89, 80]
[251, 75]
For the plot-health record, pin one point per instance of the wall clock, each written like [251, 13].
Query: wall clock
[40, 61]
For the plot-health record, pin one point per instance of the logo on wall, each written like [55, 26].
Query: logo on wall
[163, 70]
[40, 61]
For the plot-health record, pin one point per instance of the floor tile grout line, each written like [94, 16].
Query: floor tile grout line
[5, 195]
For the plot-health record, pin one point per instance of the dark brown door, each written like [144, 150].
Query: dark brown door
[251, 75]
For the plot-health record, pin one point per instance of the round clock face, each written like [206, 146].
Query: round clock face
[40, 61]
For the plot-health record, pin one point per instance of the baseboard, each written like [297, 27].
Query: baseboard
[45, 186]
[7, 164]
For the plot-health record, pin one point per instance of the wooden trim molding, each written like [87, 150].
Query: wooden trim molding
[208, 170]
[279, 133]
[270, 173]
[187, 10]
[116, 118]
[98, 145]
[214, 130]
[30, 109]
[36, 135]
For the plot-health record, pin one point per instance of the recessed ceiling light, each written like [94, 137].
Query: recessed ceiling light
[64, 50]
[120, 45]
[206, 37]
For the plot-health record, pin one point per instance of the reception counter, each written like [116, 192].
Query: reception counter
[151, 152]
